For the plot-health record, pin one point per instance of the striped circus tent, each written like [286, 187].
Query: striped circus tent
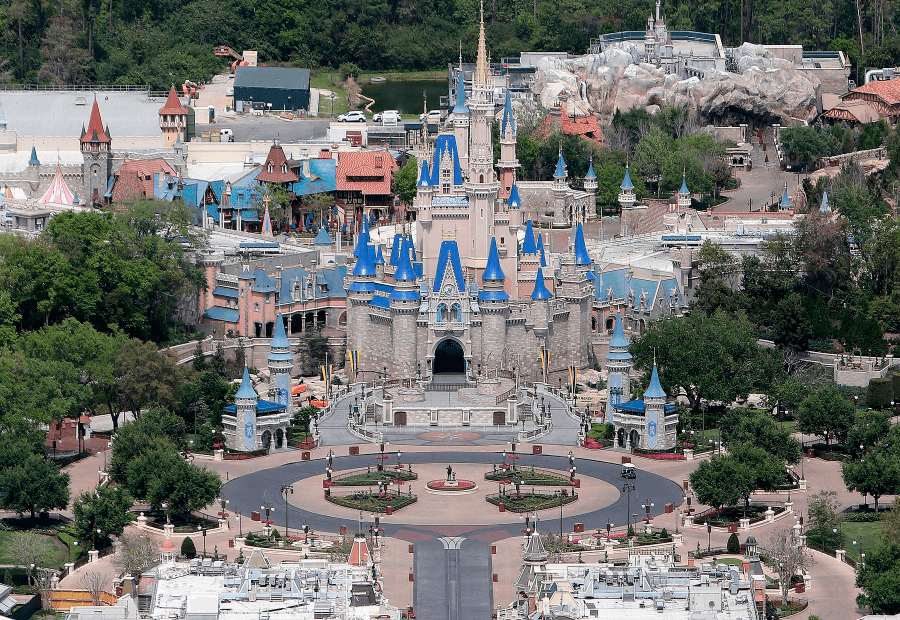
[58, 193]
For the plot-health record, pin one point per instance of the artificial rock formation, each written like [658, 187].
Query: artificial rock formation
[766, 87]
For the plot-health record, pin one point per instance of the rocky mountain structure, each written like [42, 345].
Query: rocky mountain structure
[764, 88]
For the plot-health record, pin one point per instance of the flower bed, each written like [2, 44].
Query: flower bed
[527, 502]
[372, 502]
[529, 476]
[592, 444]
[372, 478]
[661, 456]
[441, 485]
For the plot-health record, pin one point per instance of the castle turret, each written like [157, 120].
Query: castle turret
[785, 201]
[654, 413]
[540, 247]
[534, 561]
[493, 302]
[461, 121]
[514, 205]
[590, 186]
[560, 189]
[684, 194]
[824, 207]
[245, 402]
[172, 119]
[529, 257]
[404, 300]
[582, 257]
[627, 200]
[540, 305]
[618, 366]
[360, 291]
[96, 149]
[280, 362]
[508, 161]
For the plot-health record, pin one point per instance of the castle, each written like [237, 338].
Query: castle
[462, 295]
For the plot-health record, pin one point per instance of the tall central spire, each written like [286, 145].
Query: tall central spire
[481, 64]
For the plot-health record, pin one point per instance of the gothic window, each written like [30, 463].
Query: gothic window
[296, 294]
[456, 313]
[284, 168]
[270, 168]
[441, 313]
[256, 307]
[267, 297]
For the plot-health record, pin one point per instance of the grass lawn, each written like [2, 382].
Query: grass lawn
[867, 535]
[6, 556]
[332, 82]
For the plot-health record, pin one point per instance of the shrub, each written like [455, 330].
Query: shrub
[880, 393]
[276, 535]
[734, 545]
[188, 549]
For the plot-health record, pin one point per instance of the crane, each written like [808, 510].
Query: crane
[224, 50]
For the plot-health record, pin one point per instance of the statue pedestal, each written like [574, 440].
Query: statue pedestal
[93, 556]
[745, 525]
[219, 455]
[451, 483]
[688, 454]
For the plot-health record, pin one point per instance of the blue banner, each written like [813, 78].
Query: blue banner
[652, 429]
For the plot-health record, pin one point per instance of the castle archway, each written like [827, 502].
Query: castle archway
[449, 358]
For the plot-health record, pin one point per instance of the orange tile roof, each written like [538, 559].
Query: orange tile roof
[887, 90]
[95, 131]
[173, 105]
[368, 172]
[584, 126]
[134, 180]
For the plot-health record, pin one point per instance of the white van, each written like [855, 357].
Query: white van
[226, 135]
[390, 117]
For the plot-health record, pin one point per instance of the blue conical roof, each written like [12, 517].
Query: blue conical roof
[361, 242]
[492, 270]
[424, 175]
[246, 391]
[514, 200]
[540, 245]
[323, 238]
[460, 107]
[365, 259]
[684, 187]
[404, 267]
[379, 257]
[581, 254]
[395, 249]
[560, 167]
[529, 246]
[654, 390]
[785, 202]
[279, 340]
[626, 182]
[590, 173]
[540, 289]
[34, 160]
[825, 208]
[509, 119]
[619, 341]
[75, 200]
[412, 249]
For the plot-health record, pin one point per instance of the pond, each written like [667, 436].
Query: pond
[405, 95]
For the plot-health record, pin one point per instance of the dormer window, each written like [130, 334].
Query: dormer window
[283, 168]
[270, 168]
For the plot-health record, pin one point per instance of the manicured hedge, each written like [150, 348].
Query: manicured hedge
[880, 393]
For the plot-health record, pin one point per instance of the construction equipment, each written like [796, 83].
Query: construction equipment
[247, 59]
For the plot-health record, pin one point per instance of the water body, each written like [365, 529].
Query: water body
[405, 95]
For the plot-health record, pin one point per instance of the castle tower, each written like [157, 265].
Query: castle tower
[572, 288]
[590, 186]
[33, 174]
[514, 205]
[461, 121]
[540, 247]
[481, 187]
[245, 402]
[824, 207]
[627, 200]
[785, 201]
[96, 147]
[280, 362]
[654, 413]
[618, 366]
[404, 300]
[560, 189]
[684, 194]
[360, 291]
[582, 257]
[493, 301]
[508, 161]
[649, 42]
[529, 257]
[172, 119]
[540, 306]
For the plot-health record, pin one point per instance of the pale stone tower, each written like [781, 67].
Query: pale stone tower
[281, 363]
[618, 366]
[96, 147]
[630, 217]
[173, 119]
[590, 186]
[245, 402]
[508, 161]
[493, 301]
[560, 188]
[404, 300]
[461, 122]
[360, 292]
[655, 413]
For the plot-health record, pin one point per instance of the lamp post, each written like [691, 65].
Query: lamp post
[203, 530]
[708, 536]
[94, 538]
[240, 526]
[305, 533]
[628, 487]
[647, 505]
[560, 493]
[267, 508]
[285, 490]
[165, 507]
[609, 526]
[223, 502]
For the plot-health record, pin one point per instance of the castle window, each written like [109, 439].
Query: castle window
[256, 307]
[441, 313]
[456, 313]
[270, 168]
[283, 168]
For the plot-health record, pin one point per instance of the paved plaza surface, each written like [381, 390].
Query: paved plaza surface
[831, 595]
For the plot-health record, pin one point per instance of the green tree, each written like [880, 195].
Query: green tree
[718, 270]
[404, 184]
[890, 532]
[879, 580]
[722, 481]
[876, 474]
[803, 145]
[34, 485]
[714, 358]
[869, 427]
[147, 376]
[826, 413]
[734, 545]
[188, 549]
[105, 509]
[757, 428]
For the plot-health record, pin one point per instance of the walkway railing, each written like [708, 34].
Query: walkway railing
[502, 398]
[445, 387]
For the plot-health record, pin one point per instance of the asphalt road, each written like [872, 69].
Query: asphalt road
[257, 488]
[247, 128]
[452, 579]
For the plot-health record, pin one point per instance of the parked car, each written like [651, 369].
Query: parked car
[432, 118]
[388, 117]
[352, 117]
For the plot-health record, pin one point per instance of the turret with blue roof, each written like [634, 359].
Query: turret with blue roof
[540, 246]
[492, 278]
[618, 345]
[684, 188]
[34, 159]
[460, 107]
[379, 257]
[405, 269]
[654, 390]
[514, 201]
[424, 175]
[508, 124]
[825, 207]
[280, 347]
[365, 266]
[560, 174]
[582, 258]
[323, 238]
[626, 182]
[528, 245]
[590, 173]
[246, 391]
[493, 271]
[785, 201]
[540, 289]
